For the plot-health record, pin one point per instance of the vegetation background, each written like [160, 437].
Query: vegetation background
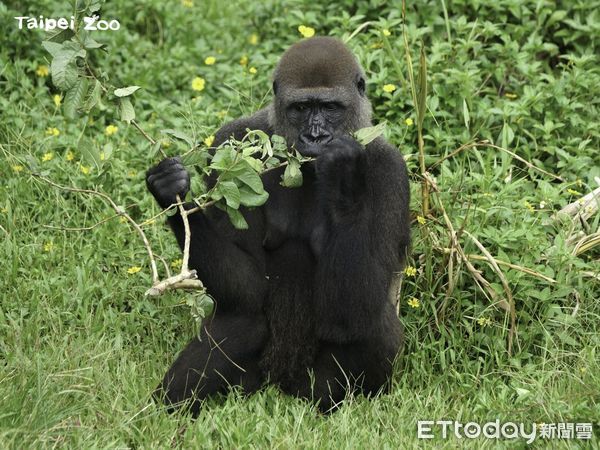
[81, 348]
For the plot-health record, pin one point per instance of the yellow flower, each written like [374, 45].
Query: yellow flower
[110, 130]
[133, 270]
[409, 122]
[47, 156]
[573, 192]
[57, 99]
[253, 39]
[413, 302]
[386, 32]
[389, 87]
[306, 31]
[510, 95]
[410, 271]
[48, 246]
[579, 182]
[252, 70]
[102, 156]
[42, 71]
[484, 321]
[17, 168]
[377, 45]
[529, 206]
[52, 131]
[244, 60]
[85, 169]
[69, 156]
[209, 140]
[132, 173]
[176, 263]
[421, 220]
[122, 219]
[187, 3]
[210, 60]
[198, 84]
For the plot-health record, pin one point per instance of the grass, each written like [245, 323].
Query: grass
[81, 348]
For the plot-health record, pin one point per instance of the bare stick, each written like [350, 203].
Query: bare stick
[119, 212]
[507, 291]
[586, 206]
[188, 236]
[185, 280]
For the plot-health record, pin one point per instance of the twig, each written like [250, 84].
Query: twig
[513, 316]
[507, 264]
[586, 206]
[117, 209]
[187, 280]
[486, 143]
[91, 227]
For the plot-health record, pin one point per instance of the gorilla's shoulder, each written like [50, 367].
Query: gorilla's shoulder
[237, 128]
[382, 152]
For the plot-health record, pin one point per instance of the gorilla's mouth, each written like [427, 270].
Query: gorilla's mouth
[309, 149]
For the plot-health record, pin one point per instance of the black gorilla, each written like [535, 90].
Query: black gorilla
[302, 296]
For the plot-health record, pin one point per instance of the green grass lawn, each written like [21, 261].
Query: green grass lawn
[82, 348]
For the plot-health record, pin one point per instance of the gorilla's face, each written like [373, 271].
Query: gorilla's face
[320, 95]
[316, 121]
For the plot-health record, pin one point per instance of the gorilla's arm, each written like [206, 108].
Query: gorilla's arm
[230, 262]
[364, 195]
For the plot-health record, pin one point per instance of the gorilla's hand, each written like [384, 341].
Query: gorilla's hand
[167, 180]
[340, 169]
[339, 159]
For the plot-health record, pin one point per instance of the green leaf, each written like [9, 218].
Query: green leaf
[292, 177]
[231, 193]
[54, 48]
[126, 110]
[466, 116]
[507, 135]
[64, 71]
[74, 97]
[252, 199]
[237, 219]
[108, 150]
[90, 43]
[366, 135]
[59, 35]
[178, 135]
[89, 153]
[93, 97]
[222, 159]
[251, 179]
[127, 91]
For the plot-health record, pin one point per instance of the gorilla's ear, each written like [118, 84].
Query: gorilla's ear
[360, 85]
[275, 87]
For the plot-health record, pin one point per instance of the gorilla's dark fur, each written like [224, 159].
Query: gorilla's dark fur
[302, 296]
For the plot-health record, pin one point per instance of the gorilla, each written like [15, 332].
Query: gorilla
[302, 297]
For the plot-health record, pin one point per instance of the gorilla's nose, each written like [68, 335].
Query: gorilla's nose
[316, 136]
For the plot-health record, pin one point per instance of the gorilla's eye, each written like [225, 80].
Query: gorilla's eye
[360, 84]
[331, 106]
[300, 107]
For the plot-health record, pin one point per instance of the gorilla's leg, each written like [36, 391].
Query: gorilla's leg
[227, 355]
[354, 367]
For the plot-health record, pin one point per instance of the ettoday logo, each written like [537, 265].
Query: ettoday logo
[429, 429]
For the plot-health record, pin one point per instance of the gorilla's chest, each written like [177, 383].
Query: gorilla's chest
[294, 214]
